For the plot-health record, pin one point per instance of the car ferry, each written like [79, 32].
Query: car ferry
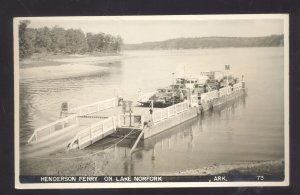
[156, 112]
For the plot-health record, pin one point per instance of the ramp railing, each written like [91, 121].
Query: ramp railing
[59, 125]
[162, 114]
[93, 133]
[95, 107]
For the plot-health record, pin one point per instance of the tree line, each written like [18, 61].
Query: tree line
[211, 42]
[68, 41]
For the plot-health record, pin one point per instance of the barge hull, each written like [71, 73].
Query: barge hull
[167, 124]
[222, 100]
[190, 114]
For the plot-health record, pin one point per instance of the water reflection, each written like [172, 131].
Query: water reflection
[183, 139]
[185, 133]
[40, 100]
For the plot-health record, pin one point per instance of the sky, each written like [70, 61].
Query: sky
[147, 29]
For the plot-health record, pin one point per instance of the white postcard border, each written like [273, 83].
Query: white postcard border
[19, 185]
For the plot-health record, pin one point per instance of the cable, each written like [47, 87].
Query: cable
[91, 148]
[95, 146]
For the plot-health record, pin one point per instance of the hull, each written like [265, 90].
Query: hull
[191, 113]
[169, 123]
[222, 100]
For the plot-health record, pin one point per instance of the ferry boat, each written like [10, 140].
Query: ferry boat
[210, 84]
[157, 111]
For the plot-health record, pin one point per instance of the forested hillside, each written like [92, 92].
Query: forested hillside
[59, 40]
[211, 42]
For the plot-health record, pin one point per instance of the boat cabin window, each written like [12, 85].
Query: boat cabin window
[179, 81]
[198, 86]
[175, 86]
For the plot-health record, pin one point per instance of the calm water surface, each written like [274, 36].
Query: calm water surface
[249, 129]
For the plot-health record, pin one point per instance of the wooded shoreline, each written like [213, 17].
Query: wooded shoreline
[58, 40]
[209, 42]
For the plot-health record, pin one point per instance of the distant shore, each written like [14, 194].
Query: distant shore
[273, 167]
[210, 42]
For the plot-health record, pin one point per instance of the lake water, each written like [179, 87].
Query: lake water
[249, 129]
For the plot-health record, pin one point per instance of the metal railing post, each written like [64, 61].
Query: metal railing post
[91, 135]
[160, 115]
[102, 129]
[79, 142]
[142, 120]
[114, 123]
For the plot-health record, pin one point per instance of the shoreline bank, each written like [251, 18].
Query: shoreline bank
[62, 66]
[86, 166]
[46, 60]
[271, 167]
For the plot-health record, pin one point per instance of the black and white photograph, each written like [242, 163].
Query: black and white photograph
[151, 101]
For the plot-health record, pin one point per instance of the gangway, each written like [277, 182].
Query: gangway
[82, 126]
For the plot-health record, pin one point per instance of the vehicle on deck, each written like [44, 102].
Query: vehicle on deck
[186, 86]
[165, 97]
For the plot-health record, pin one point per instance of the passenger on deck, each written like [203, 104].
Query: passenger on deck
[146, 124]
[120, 101]
[181, 96]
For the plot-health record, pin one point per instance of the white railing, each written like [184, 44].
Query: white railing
[145, 97]
[93, 133]
[205, 97]
[95, 107]
[163, 114]
[237, 86]
[225, 91]
[59, 125]
[194, 100]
